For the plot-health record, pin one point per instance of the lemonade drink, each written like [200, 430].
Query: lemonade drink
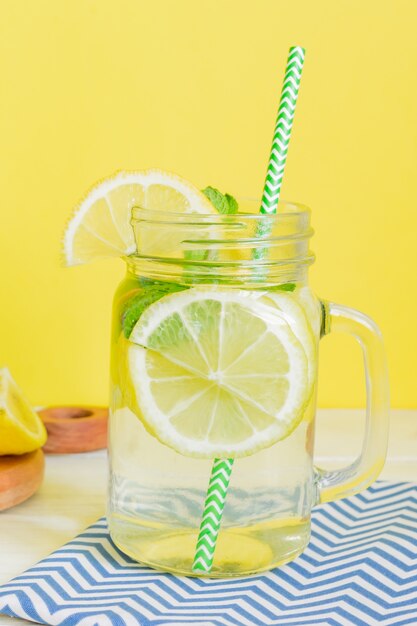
[214, 364]
[209, 365]
[157, 492]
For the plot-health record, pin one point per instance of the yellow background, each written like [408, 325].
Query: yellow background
[92, 86]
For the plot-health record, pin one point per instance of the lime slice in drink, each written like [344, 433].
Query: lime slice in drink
[217, 372]
[100, 226]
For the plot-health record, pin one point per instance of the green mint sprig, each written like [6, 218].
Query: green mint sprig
[138, 303]
[223, 203]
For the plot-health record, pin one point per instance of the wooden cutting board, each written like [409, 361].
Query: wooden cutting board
[20, 477]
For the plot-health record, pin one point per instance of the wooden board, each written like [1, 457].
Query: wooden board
[20, 477]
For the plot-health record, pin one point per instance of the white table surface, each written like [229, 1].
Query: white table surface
[73, 493]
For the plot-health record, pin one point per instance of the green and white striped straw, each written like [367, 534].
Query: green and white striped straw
[212, 515]
[280, 143]
[283, 128]
[222, 468]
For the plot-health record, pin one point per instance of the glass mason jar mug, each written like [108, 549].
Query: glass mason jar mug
[215, 355]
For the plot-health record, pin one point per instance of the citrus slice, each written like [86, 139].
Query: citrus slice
[21, 429]
[101, 225]
[311, 306]
[217, 373]
[300, 326]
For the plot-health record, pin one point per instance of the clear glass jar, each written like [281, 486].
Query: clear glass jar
[215, 311]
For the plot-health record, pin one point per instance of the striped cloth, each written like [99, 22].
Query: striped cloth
[360, 568]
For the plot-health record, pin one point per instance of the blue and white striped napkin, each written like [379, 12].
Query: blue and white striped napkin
[360, 568]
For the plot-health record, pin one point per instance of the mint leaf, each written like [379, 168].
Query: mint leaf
[223, 203]
[232, 202]
[217, 199]
[283, 287]
[138, 303]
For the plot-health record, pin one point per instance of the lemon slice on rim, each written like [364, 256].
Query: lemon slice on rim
[100, 226]
[21, 428]
[217, 372]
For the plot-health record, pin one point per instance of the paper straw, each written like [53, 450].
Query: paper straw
[283, 128]
[280, 142]
[222, 468]
[212, 515]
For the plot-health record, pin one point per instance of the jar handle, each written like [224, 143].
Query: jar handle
[365, 469]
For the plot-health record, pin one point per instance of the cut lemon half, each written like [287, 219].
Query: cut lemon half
[217, 373]
[21, 429]
[101, 225]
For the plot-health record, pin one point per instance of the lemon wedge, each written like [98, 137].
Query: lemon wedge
[21, 429]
